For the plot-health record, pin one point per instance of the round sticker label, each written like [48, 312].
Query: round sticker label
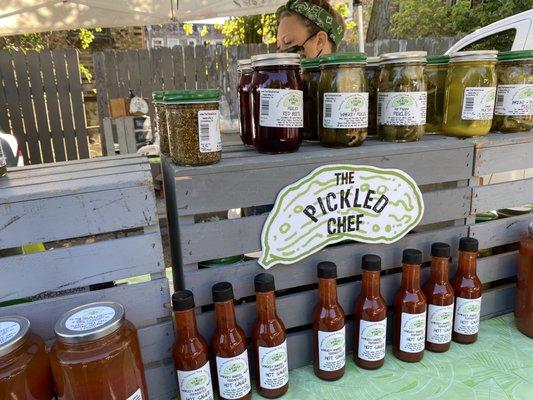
[90, 318]
[8, 330]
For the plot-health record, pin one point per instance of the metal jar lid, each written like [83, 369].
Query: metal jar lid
[13, 333]
[89, 322]
[373, 62]
[275, 59]
[404, 57]
[474, 55]
[244, 65]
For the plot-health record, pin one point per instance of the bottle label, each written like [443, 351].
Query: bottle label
[209, 131]
[138, 395]
[332, 349]
[233, 376]
[372, 340]
[514, 100]
[413, 332]
[402, 108]
[89, 318]
[440, 320]
[281, 108]
[467, 313]
[273, 366]
[478, 103]
[345, 110]
[196, 385]
[8, 330]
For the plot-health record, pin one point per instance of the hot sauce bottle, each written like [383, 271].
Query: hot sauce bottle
[229, 347]
[190, 353]
[329, 338]
[467, 289]
[269, 342]
[439, 295]
[370, 317]
[523, 310]
[409, 322]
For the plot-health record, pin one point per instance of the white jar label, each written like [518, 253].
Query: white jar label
[439, 324]
[209, 131]
[478, 103]
[281, 108]
[138, 395]
[467, 312]
[372, 340]
[196, 385]
[8, 330]
[332, 349]
[345, 110]
[413, 332]
[273, 366]
[233, 376]
[89, 318]
[514, 100]
[402, 108]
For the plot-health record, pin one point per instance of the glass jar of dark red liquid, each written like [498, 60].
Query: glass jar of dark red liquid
[277, 102]
[24, 366]
[244, 90]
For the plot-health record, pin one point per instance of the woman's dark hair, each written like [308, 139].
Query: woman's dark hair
[312, 28]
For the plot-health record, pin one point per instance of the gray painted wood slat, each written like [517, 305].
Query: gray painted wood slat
[122, 133]
[502, 195]
[111, 77]
[161, 381]
[501, 231]
[145, 69]
[4, 118]
[190, 67]
[132, 61]
[212, 60]
[156, 341]
[167, 68]
[102, 98]
[157, 70]
[201, 77]
[497, 267]
[36, 83]
[123, 74]
[179, 76]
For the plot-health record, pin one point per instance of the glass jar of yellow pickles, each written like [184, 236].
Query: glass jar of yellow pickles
[343, 100]
[435, 74]
[372, 79]
[310, 78]
[514, 96]
[470, 93]
[402, 96]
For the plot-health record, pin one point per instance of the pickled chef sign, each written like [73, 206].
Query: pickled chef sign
[340, 202]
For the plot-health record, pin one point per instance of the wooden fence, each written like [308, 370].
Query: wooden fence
[41, 103]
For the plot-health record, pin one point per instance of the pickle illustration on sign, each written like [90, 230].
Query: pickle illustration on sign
[336, 203]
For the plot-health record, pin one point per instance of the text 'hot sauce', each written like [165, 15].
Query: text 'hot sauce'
[190, 352]
[409, 322]
[439, 296]
[370, 317]
[229, 347]
[467, 289]
[269, 342]
[329, 333]
[524, 286]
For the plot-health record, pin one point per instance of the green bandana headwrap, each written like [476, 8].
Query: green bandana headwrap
[318, 15]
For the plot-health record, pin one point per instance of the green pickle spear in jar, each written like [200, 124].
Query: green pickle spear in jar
[402, 96]
[514, 95]
[470, 93]
[435, 73]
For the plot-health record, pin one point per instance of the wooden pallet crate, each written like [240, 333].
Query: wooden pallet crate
[97, 221]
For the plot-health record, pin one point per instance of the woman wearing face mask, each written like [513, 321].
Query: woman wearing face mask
[309, 27]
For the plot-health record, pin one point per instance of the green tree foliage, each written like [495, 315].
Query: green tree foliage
[249, 29]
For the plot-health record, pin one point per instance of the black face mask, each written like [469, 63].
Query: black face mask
[299, 48]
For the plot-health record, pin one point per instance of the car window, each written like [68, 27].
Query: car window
[501, 41]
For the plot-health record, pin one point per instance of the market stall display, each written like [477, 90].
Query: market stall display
[372, 79]
[311, 78]
[435, 74]
[524, 286]
[244, 93]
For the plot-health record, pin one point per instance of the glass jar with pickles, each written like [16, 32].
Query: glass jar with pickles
[161, 121]
[343, 100]
[470, 93]
[435, 73]
[372, 79]
[310, 78]
[402, 96]
[514, 95]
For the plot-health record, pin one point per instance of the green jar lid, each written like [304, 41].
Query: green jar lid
[191, 96]
[343, 58]
[157, 97]
[434, 60]
[309, 63]
[515, 55]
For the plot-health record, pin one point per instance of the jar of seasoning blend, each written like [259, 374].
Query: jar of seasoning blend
[372, 80]
[435, 73]
[24, 366]
[161, 121]
[193, 126]
[470, 93]
[244, 90]
[277, 99]
[97, 355]
[402, 96]
[514, 95]
[343, 94]
[310, 77]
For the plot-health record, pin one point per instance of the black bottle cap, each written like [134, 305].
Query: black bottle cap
[412, 256]
[468, 244]
[222, 291]
[440, 249]
[264, 283]
[326, 270]
[182, 300]
[371, 262]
